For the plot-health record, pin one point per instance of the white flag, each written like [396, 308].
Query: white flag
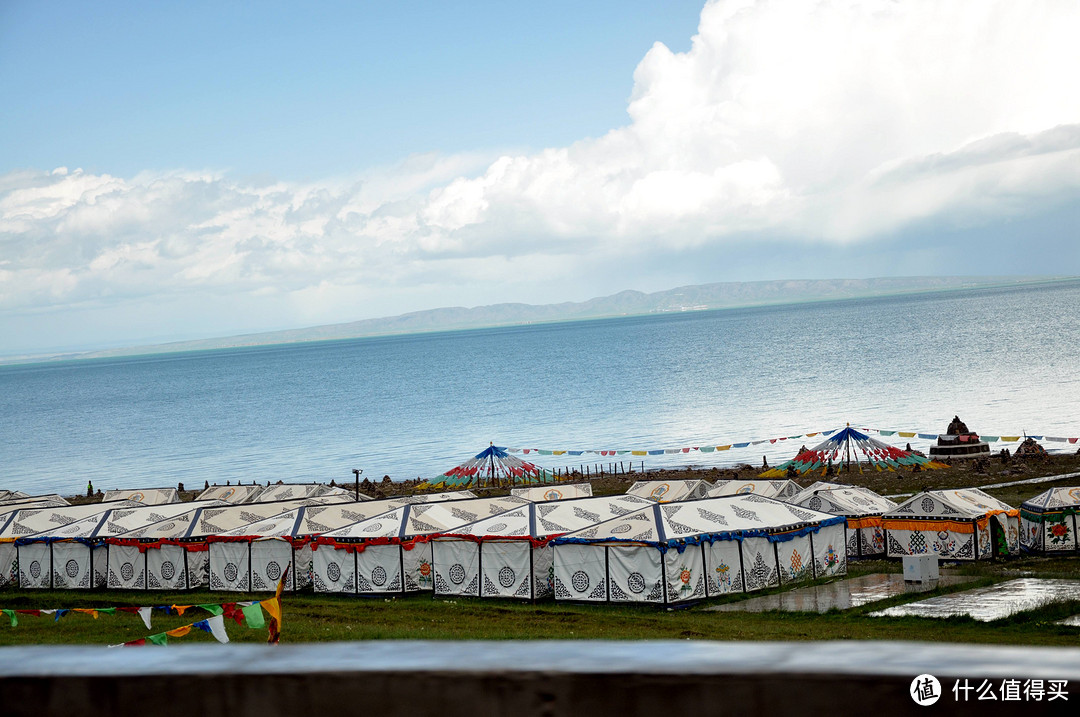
[144, 613]
[217, 628]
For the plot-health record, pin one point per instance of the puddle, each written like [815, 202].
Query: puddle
[990, 603]
[841, 595]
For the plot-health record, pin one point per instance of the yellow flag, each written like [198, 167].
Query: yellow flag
[724, 448]
[273, 606]
[638, 453]
[905, 434]
[179, 632]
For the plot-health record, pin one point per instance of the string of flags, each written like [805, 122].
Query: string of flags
[246, 613]
[757, 442]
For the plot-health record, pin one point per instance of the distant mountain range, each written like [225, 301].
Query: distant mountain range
[626, 303]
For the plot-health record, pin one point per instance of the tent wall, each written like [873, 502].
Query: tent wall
[633, 574]
[580, 572]
[35, 565]
[759, 564]
[506, 569]
[723, 559]
[379, 569]
[543, 572]
[946, 544]
[269, 560]
[127, 568]
[684, 574]
[9, 565]
[171, 567]
[333, 570]
[830, 558]
[416, 561]
[99, 565]
[457, 567]
[230, 567]
[301, 579]
[795, 558]
[71, 568]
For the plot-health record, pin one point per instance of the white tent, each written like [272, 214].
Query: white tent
[296, 491]
[391, 552]
[252, 557]
[692, 550]
[17, 498]
[540, 493]
[816, 485]
[9, 554]
[147, 496]
[234, 494]
[669, 491]
[439, 497]
[960, 524]
[1048, 521]
[509, 554]
[63, 552]
[781, 489]
[862, 508]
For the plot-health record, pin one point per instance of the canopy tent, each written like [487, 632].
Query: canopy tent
[861, 508]
[841, 451]
[959, 524]
[1048, 521]
[509, 555]
[66, 539]
[669, 491]
[147, 496]
[439, 497]
[251, 556]
[391, 552]
[816, 485]
[492, 466]
[539, 493]
[12, 495]
[234, 494]
[175, 554]
[297, 491]
[17, 498]
[781, 489]
[679, 552]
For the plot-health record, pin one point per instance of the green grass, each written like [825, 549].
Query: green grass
[318, 618]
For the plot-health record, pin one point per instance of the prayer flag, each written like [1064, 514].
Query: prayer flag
[160, 639]
[253, 616]
[14, 617]
[144, 613]
[217, 628]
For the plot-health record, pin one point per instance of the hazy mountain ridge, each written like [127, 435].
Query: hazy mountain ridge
[625, 303]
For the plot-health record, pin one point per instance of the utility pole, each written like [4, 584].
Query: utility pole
[356, 473]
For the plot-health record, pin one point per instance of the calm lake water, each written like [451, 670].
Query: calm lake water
[1006, 360]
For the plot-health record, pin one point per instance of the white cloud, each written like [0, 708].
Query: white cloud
[820, 121]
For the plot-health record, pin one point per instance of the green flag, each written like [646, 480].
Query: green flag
[212, 609]
[253, 614]
[159, 639]
[13, 616]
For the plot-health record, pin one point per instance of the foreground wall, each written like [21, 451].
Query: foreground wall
[517, 678]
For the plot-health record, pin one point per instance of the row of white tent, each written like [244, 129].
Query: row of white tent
[456, 544]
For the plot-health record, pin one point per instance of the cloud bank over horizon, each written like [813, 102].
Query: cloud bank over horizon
[806, 129]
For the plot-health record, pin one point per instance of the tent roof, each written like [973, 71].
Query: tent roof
[216, 521]
[15, 497]
[836, 447]
[439, 497]
[667, 491]
[425, 518]
[667, 524]
[541, 520]
[959, 502]
[493, 464]
[781, 488]
[34, 521]
[298, 491]
[816, 485]
[234, 494]
[146, 496]
[1062, 497]
[315, 519]
[845, 500]
[119, 521]
[561, 491]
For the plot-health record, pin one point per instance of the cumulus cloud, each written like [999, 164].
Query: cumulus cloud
[825, 121]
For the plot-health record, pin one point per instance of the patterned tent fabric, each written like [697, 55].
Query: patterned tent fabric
[959, 524]
[492, 466]
[691, 550]
[540, 494]
[1048, 522]
[667, 491]
[148, 496]
[38, 520]
[17, 498]
[862, 508]
[234, 494]
[843, 449]
[781, 489]
[299, 491]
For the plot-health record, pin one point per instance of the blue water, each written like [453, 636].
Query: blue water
[1005, 360]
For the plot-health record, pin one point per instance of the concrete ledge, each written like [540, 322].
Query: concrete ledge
[512, 678]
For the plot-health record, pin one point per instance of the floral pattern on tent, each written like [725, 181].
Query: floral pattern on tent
[843, 449]
[1048, 521]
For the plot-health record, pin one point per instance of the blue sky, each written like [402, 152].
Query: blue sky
[206, 169]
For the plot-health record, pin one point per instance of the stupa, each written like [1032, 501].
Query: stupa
[958, 442]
